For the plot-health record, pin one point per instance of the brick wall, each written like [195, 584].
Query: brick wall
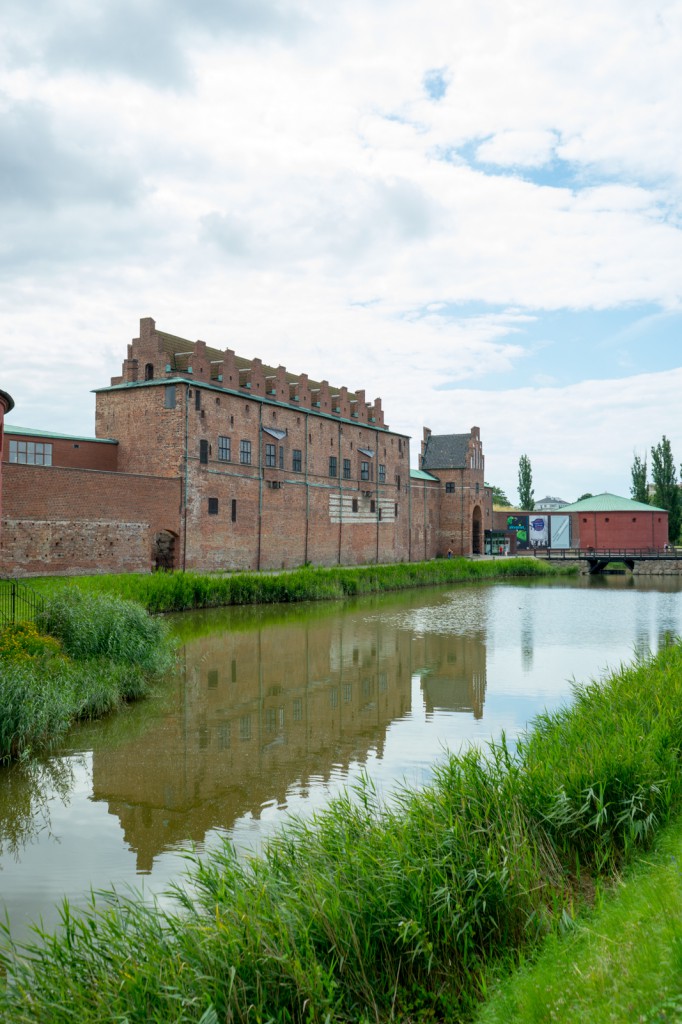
[620, 529]
[6, 404]
[248, 515]
[71, 521]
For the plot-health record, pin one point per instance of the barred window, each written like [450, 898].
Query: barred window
[245, 453]
[332, 465]
[346, 469]
[364, 470]
[203, 452]
[224, 452]
[450, 488]
[281, 457]
[382, 474]
[30, 453]
[270, 455]
[296, 460]
[213, 506]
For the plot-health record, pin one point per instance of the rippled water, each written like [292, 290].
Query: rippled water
[275, 710]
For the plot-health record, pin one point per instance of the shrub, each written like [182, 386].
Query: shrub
[103, 625]
[22, 640]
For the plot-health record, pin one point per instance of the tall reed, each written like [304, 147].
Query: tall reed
[178, 591]
[95, 652]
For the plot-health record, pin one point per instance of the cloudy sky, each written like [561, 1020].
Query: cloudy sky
[472, 210]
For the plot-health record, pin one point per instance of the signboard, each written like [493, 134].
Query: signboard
[560, 532]
[519, 526]
[539, 531]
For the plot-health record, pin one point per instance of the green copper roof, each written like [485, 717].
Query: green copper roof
[609, 503]
[10, 429]
[419, 474]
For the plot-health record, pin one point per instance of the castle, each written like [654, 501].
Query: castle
[207, 461]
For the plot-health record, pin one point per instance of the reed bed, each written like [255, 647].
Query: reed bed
[85, 656]
[383, 911]
[179, 591]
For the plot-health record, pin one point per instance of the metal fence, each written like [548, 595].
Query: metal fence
[18, 602]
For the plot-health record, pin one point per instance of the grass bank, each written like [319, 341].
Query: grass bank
[179, 591]
[84, 656]
[620, 963]
[383, 912]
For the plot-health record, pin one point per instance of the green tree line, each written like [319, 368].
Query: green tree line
[666, 489]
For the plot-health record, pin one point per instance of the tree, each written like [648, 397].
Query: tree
[587, 494]
[499, 497]
[638, 489]
[666, 491]
[526, 484]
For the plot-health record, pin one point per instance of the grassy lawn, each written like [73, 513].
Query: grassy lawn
[620, 963]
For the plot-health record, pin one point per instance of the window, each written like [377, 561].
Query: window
[245, 453]
[169, 397]
[203, 452]
[296, 460]
[234, 510]
[364, 470]
[149, 371]
[270, 455]
[346, 469]
[372, 505]
[397, 480]
[395, 510]
[450, 488]
[332, 465]
[355, 504]
[382, 474]
[197, 399]
[30, 453]
[213, 506]
[281, 457]
[224, 452]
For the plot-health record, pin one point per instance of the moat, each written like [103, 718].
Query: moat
[273, 710]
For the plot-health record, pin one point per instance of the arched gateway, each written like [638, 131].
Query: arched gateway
[476, 531]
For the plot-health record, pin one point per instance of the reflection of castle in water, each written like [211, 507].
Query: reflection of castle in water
[453, 676]
[256, 712]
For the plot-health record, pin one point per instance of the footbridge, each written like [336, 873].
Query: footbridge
[641, 561]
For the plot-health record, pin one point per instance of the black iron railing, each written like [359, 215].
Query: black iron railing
[615, 554]
[18, 602]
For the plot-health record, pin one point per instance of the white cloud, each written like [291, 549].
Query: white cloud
[351, 192]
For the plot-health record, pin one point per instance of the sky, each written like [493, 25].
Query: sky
[471, 210]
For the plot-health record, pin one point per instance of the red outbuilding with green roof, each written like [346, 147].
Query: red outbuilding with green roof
[607, 522]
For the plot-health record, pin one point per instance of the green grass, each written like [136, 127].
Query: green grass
[179, 591]
[618, 964]
[86, 655]
[375, 911]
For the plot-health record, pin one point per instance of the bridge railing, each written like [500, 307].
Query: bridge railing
[614, 554]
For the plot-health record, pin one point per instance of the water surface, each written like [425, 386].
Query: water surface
[274, 710]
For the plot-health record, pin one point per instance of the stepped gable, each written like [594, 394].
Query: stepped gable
[159, 354]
